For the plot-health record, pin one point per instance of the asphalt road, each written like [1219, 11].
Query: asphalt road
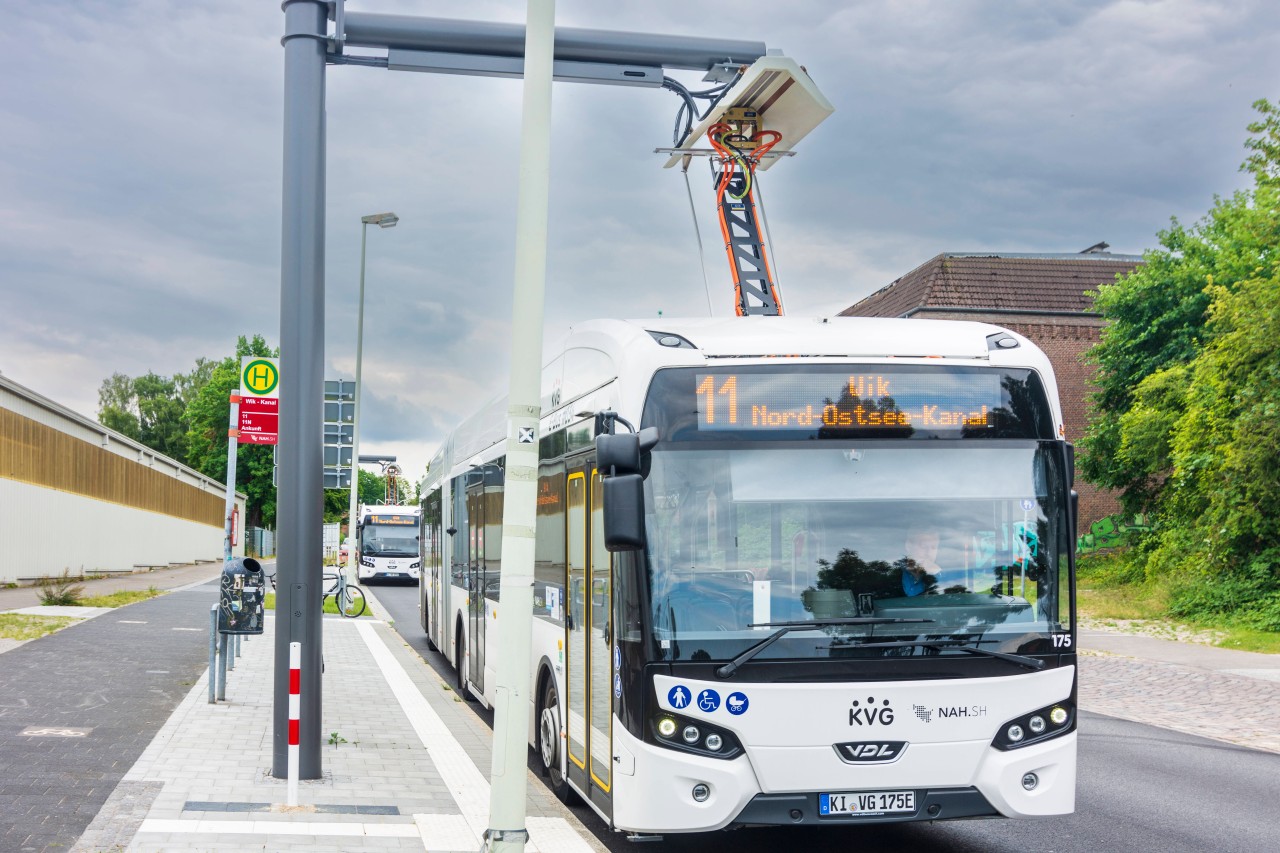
[79, 706]
[1140, 788]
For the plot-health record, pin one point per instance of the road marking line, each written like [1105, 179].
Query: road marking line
[186, 629]
[464, 780]
[446, 832]
[130, 622]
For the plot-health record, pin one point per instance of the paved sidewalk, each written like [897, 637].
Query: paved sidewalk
[406, 770]
[170, 578]
[1203, 690]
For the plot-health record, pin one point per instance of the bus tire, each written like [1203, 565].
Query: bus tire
[459, 660]
[431, 644]
[549, 740]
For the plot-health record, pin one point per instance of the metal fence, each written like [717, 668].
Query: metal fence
[260, 542]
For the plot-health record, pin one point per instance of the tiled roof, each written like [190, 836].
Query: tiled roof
[996, 281]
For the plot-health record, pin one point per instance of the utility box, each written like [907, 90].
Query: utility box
[241, 597]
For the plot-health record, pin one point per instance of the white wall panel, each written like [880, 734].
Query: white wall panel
[44, 532]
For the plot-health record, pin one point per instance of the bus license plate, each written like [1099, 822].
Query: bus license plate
[867, 802]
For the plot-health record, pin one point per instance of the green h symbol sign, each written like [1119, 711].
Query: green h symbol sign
[261, 377]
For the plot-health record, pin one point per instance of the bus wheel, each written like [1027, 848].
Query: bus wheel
[549, 741]
[431, 644]
[459, 659]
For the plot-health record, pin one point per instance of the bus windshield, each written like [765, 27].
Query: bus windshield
[966, 539]
[388, 540]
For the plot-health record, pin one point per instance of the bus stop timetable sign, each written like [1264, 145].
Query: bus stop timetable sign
[259, 400]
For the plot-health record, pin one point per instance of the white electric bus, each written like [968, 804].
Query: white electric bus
[387, 543]
[846, 594]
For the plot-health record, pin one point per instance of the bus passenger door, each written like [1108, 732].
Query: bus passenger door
[476, 602]
[589, 662]
[599, 659]
[576, 625]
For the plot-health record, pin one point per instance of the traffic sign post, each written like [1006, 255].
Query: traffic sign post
[339, 434]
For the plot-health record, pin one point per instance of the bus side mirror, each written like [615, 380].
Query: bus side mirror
[618, 454]
[623, 461]
[623, 512]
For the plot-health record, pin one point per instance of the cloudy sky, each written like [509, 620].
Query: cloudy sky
[140, 155]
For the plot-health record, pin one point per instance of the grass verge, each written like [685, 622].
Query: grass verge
[19, 626]
[330, 605]
[121, 598]
[1113, 595]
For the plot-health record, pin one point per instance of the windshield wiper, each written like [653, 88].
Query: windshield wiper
[1023, 660]
[787, 627]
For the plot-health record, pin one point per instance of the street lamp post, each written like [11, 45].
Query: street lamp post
[382, 220]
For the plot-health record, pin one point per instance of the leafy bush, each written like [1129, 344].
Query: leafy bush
[63, 591]
[1249, 597]
[1117, 567]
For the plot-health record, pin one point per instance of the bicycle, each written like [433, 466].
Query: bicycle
[349, 596]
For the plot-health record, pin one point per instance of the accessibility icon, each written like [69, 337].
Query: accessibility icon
[737, 703]
[678, 696]
[708, 700]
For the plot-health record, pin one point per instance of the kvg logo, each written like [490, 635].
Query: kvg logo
[869, 714]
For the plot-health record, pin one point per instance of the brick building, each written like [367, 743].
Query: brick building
[1041, 296]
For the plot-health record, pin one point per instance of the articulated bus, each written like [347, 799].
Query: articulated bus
[387, 539]
[851, 596]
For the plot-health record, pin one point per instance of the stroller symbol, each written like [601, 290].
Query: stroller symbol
[737, 703]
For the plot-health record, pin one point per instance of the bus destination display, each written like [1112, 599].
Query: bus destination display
[892, 401]
[394, 519]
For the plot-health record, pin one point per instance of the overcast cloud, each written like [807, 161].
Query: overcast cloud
[140, 175]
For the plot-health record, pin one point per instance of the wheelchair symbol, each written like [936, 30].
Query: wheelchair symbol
[708, 700]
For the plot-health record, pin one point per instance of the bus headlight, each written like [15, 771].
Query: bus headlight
[699, 737]
[1037, 726]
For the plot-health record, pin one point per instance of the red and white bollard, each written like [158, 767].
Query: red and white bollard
[295, 706]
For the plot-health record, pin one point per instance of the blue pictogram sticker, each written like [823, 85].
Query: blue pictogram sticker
[617, 658]
[678, 696]
[737, 703]
[708, 700]
[617, 686]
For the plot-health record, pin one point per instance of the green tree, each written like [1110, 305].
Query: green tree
[117, 406]
[1156, 320]
[372, 488]
[208, 413]
[1188, 412]
[148, 409]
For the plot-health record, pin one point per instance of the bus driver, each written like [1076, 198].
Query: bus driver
[920, 570]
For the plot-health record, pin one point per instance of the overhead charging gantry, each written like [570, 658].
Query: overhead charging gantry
[756, 114]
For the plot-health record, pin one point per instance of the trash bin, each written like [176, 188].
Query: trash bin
[241, 597]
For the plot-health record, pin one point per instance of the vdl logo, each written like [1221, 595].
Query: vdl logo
[871, 751]
[870, 715]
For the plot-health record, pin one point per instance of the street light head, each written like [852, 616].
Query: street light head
[382, 220]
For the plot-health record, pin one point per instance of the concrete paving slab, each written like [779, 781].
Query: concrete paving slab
[394, 759]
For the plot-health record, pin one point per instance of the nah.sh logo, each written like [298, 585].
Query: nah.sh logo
[869, 714]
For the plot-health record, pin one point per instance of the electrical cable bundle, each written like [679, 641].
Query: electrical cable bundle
[689, 108]
[732, 157]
